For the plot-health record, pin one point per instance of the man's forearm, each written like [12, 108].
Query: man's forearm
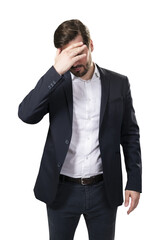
[35, 104]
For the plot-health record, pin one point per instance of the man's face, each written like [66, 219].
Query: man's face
[81, 67]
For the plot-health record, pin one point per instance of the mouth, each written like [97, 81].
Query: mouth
[77, 68]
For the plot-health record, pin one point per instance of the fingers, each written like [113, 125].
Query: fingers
[126, 198]
[134, 203]
[132, 207]
[134, 200]
[75, 45]
[79, 57]
[77, 50]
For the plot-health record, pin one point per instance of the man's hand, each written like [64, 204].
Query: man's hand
[65, 59]
[135, 196]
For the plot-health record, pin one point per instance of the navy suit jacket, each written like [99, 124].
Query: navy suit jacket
[117, 126]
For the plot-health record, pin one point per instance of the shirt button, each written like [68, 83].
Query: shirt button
[66, 142]
[96, 74]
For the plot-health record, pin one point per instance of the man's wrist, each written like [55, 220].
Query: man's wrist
[58, 71]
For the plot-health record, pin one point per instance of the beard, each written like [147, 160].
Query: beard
[80, 70]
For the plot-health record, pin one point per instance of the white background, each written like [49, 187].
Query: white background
[126, 39]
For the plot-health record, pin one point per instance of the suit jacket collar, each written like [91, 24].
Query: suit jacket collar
[105, 83]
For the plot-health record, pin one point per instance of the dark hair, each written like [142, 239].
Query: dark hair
[68, 31]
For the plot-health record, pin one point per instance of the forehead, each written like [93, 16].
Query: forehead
[76, 40]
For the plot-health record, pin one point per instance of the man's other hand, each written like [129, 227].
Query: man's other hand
[135, 196]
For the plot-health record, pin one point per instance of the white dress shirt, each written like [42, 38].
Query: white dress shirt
[83, 157]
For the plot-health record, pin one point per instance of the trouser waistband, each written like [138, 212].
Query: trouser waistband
[82, 181]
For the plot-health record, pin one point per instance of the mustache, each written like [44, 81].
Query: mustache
[76, 66]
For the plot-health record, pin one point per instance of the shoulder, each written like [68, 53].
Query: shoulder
[111, 73]
[117, 80]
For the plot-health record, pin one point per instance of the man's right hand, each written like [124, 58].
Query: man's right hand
[66, 58]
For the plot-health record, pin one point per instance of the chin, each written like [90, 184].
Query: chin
[80, 74]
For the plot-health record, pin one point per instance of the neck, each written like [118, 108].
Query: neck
[90, 72]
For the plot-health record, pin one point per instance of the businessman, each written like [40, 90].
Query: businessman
[91, 114]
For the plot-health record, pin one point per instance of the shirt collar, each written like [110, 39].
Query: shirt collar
[96, 74]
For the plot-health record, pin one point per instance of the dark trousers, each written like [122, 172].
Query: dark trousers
[74, 199]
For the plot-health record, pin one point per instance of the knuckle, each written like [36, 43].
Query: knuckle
[75, 45]
[76, 51]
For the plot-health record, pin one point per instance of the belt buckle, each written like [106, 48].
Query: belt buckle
[83, 181]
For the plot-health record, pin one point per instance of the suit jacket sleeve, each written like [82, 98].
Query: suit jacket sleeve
[130, 143]
[35, 104]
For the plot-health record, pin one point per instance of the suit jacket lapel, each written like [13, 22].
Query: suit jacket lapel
[105, 83]
[69, 93]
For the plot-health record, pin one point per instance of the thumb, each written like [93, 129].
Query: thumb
[126, 199]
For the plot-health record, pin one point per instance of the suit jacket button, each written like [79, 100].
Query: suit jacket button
[66, 142]
[59, 164]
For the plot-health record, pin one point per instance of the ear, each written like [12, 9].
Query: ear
[91, 45]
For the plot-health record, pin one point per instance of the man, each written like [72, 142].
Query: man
[91, 114]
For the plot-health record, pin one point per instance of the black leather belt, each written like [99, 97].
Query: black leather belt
[83, 181]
